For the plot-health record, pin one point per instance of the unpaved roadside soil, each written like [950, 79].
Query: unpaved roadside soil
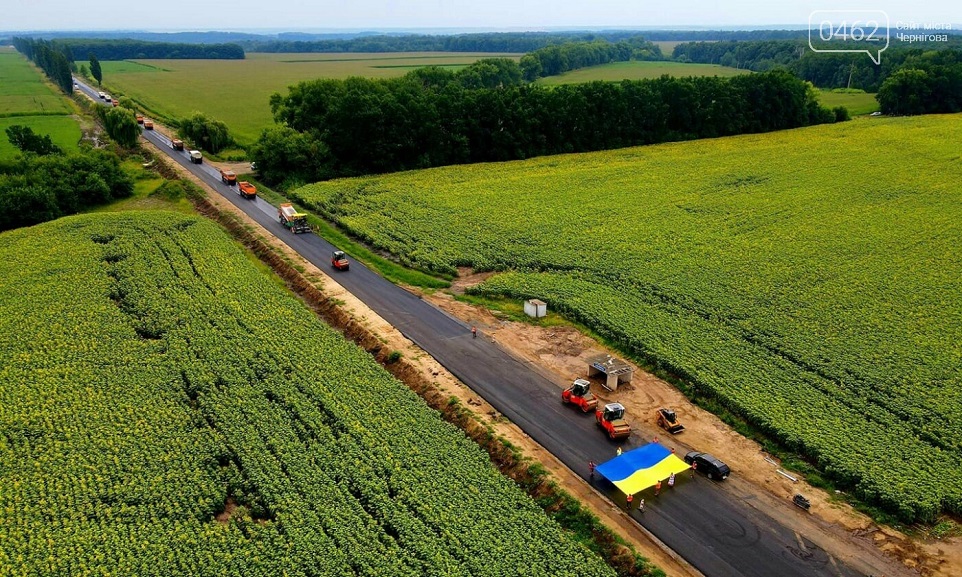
[562, 354]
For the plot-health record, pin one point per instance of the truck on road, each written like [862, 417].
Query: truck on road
[228, 177]
[246, 189]
[291, 219]
[196, 157]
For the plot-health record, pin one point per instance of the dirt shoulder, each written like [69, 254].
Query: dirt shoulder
[562, 353]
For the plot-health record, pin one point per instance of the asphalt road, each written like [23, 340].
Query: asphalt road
[710, 525]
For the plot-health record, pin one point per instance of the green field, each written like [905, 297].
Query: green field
[857, 102]
[639, 70]
[167, 409]
[237, 92]
[23, 92]
[27, 100]
[808, 279]
[63, 131]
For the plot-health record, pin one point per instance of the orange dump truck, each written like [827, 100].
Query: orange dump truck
[228, 177]
[246, 189]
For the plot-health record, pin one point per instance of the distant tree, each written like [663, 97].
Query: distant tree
[24, 138]
[95, 70]
[205, 132]
[904, 92]
[121, 125]
[84, 71]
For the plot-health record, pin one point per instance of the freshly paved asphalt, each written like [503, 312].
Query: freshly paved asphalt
[712, 527]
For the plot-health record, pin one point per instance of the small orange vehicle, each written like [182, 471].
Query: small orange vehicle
[339, 260]
[177, 144]
[115, 102]
[612, 420]
[148, 124]
[228, 177]
[246, 189]
[140, 119]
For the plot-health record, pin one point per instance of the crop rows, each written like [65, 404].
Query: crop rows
[150, 377]
[808, 286]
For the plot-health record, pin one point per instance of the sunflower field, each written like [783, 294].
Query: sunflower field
[167, 409]
[810, 279]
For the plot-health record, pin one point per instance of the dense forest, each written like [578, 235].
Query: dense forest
[433, 117]
[825, 70]
[483, 42]
[126, 49]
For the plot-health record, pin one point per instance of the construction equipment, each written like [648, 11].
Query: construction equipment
[801, 501]
[668, 420]
[228, 177]
[148, 124]
[612, 419]
[196, 157]
[114, 102]
[246, 189]
[177, 144]
[140, 119]
[291, 219]
[577, 394]
[339, 260]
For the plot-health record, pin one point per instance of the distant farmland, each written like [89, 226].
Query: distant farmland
[639, 70]
[237, 92]
[25, 99]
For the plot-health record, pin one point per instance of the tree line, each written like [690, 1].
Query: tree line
[560, 58]
[926, 83]
[137, 49]
[825, 70]
[54, 58]
[433, 117]
[476, 42]
[44, 184]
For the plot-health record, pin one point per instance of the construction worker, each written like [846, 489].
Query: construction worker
[591, 470]
[671, 480]
[628, 498]
[474, 332]
[618, 452]
[641, 505]
[655, 440]
[694, 466]
[657, 487]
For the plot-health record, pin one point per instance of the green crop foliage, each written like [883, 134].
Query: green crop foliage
[807, 279]
[150, 375]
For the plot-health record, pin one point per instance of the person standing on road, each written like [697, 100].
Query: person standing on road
[694, 466]
[671, 480]
[657, 487]
[618, 452]
[474, 332]
[628, 498]
[591, 470]
[641, 505]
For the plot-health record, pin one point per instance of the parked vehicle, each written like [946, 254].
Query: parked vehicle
[612, 419]
[708, 465]
[801, 502]
[668, 420]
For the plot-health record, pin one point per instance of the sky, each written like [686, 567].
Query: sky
[324, 15]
